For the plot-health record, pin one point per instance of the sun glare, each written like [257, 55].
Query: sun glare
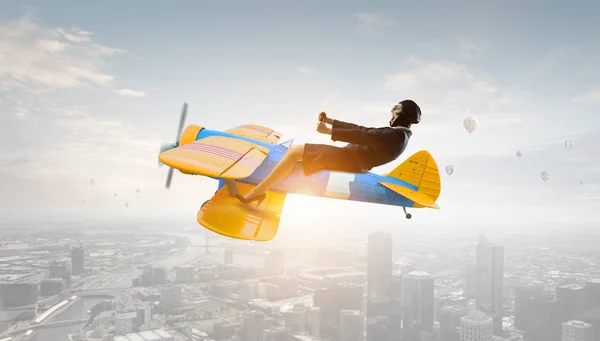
[304, 210]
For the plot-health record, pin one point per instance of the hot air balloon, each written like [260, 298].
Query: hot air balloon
[569, 144]
[545, 176]
[83, 202]
[470, 123]
[519, 154]
[127, 204]
[449, 169]
[92, 181]
[115, 194]
[581, 182]
[138, 190]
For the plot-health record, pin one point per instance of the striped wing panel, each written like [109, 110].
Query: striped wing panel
[216, 156]
[256, 132]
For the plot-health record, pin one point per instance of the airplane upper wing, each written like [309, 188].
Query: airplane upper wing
[216, 156]
[226, 216]
[257, 132]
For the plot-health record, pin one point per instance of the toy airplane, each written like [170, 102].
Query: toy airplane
[241, 157]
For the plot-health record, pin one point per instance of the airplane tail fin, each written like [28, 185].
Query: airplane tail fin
[421, 171]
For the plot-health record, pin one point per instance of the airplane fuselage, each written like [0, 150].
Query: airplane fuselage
[363, 187]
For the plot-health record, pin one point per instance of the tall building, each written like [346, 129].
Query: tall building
[60, 269]
[490, 281]
[313, 321]
[542, 319]
[52, 286]
[332, 300]
[379, 280]
[126, 322]
[417, 304]
[450, 319]
[352, 326]
[476, 326]
[295, 319]
[592, 293]
[184, 274]
[253, 326]
[159, 275]
[577, 331]
[14, 295]
[470, 278]
[396, 310]
[77, 260]
[171, 296]
[523, 292]
[144, 317]
[572, 300]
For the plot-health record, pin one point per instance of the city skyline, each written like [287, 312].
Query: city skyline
[416, 290]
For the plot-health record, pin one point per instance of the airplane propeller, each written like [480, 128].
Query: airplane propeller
[166, 146]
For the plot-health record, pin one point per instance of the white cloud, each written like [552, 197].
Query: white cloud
[424, 73]
[305, 70]
[589, 97]
[373, 22]
[468, 46]
[75, 35]
[21, 113]
[131, 93]
[39, 58]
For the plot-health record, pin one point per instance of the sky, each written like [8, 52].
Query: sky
[91, 90]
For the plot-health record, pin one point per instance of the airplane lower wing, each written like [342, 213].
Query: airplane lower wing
[227, 216]
[216, 156]
[420, 199]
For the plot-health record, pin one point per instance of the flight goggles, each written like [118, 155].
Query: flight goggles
[397, 109]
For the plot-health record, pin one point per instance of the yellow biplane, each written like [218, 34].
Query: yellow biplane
[241, 157]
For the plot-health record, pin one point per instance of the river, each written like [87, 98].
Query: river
[76, 311]
[79, 309]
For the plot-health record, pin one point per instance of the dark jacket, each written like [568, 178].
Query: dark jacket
[375, 146]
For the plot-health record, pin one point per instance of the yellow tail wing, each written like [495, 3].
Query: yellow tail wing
[421, 171]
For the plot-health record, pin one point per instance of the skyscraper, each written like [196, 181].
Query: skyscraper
[572, 300]
[343, 296]
[542, 319]
[396, 309]
[476, 326]
[450, 322]
[577, 331]
[490, 281]
[417, 304]
[77, 260]
[352, 325]
[253, 328]
[592, 293]
[379, 280]
[523, 292]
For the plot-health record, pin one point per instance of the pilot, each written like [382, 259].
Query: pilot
[367, 148]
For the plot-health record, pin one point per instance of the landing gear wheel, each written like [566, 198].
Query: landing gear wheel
[408, 215]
